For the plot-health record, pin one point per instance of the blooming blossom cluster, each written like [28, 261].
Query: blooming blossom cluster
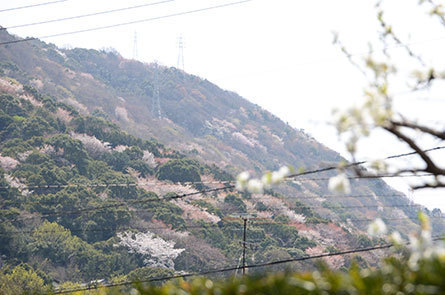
[121, 114]
[377, 228]
[94, 146]
[157, 252]
[257, 186]
[339, 184]
[15, 183]
[149, 159]
[420, 246]
[8, 163]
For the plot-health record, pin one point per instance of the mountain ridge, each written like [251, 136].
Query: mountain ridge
[206, 133]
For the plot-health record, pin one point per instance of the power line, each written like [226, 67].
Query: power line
[120, 204]
[105, 185]
[319, 170]
[84, 15]
[207, 272]
[92, 209]
[32, 5]
[257, 221]
[281, 197]
[363, 162]
[79, 211]
[126, 23]
[359, 206]
[212, 225]
[372, 176]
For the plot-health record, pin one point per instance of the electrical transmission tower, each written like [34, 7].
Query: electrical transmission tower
[135, 46]
[180, 54]
[156, 102]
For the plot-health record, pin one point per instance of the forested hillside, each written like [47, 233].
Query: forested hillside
[84, 200]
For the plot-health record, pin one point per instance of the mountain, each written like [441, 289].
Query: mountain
[90, 141]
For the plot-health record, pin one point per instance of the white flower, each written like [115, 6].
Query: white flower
[379, 165]
[255, 186]
[377, 228]
[243, 176]
[396, 238]
[241, 180]
[156, 251]
[285, 171]
[279, 176]
[339, 184]
[149, 159]
[8, 163]
[267, 180]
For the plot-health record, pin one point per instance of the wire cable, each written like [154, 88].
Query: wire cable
[256, 198]
[134, 184]
[144, 201]
[372, 176]
[289, 177]
[202, 226]
[126, 23]
[120, 204]
[85, 15]
[32, 5]
[255, 221]
[79, 211]
[362, 162]
[293, 198]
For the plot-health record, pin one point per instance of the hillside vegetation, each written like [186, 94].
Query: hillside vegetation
[84, 200]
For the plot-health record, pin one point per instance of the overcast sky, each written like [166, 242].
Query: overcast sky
[277, 54]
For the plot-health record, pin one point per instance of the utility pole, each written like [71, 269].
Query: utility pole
[245, 217]
[244, 245]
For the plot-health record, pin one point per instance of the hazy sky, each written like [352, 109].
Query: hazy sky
[278, 54]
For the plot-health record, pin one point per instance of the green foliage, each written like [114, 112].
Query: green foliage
[140, 166]
[209, 207]
[166, 212]
[118, 161]
[72, 150]
[109, 132]
[237, 202]
[363, 241]
[287, 236]
[40, 170]
[310, 215]
[260, 206]
[144, 273]
[55, 243]
[282, 219]
[394, 277]
[180, 170]
[21, 279]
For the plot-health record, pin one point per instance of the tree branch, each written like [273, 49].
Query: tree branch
[430, 165]
[425, 129]
[429, 185]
